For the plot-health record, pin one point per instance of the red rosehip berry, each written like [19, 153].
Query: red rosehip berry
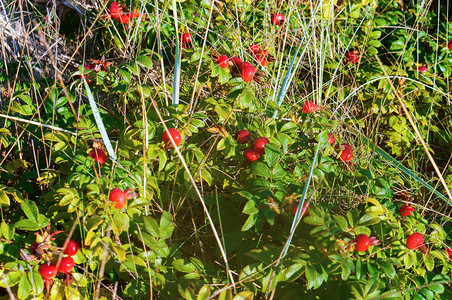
[66, 264]
[362, 242]
[124, 19]
[449, 253]
[414, 241]
[71, 248]
[255, 49]
[47, 271]
[248, 73]
[119, 197]
[243, 136]
[236, 60]
[449, 45]
[346, 154]
[277, 19]
[98, 155]
[175, 134]
[304, 207]
[352, 56]
[223, 61]
[259, 145]
[310, 107]
[244, 65]
[331, 139]
[187, 38]
[422, 69]
[115, 10]
[250, 155]
[405, 210]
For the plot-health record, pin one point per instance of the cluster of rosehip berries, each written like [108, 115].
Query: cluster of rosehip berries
[247, 71]
[118, 11]
[252, 154]
[48, 270]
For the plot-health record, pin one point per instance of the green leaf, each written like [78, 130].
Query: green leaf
[387, 268]
[144, 61]
[93, 222]
[260, 169]
[272, 155]
[313, 220]
[24, 288]
[362, 229]
[247, 295]
[249, 222]
[225, 295]
[204, 292]
[27, 225]
[36, 279]
[278, 172]
[166, 225]
[347, 268]
[341, 222]
[250, 208]
[30, 209]
[289, 127]
[369, 219]
[184, 265]
[314, 279]
[7, 230]
[152, 226]
[429, 262]
[4, 199]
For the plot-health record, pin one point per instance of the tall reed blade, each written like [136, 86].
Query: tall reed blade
[99, 122]
[176, 82]
[402, 168]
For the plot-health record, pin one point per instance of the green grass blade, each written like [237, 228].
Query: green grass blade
[176, 82]
[99, 122]
[402, 168]
[291, 73]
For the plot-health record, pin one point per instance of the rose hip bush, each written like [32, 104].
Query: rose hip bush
[79, 222]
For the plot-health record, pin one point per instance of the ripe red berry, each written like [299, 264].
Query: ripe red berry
[310, 107]
[449, 45]
[187, 38]
[66, 264]
[422, 69]
[295, 207]
[98, 155]
[71, 248]
[248, 73]
[449, 253]
[362, 242]
[405, 210]
[277, 19]
[331, 139]
[244, 65]
[134, 14]
[47, 271]
[175, 134]
[243, 136]
[259, 145]
[236, 60]
[352, 56]
[414, 241]
[347, 153]
[250, 155]
[124, 19]
[255, 49]
[118, 196]
[261, 58]
[223, 61]
[115, 10]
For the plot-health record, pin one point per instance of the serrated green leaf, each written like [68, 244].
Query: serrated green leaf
[313, 220]
[204, 292]
[30, 209]
[152, 226]
[27, 225]
[369, 219]
[341, 222]
[272, 155]
[7, 230]
[260, 169]
[24, 288]
[166, 225]
[184, 265]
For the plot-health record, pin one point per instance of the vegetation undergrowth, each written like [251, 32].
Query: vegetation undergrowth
[225, 150]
